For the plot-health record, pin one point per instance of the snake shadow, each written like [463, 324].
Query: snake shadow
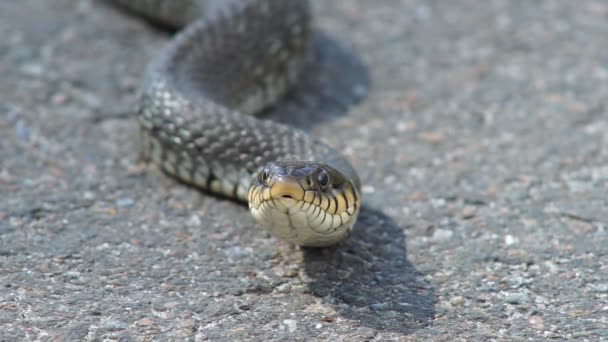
[333, 80]
[368, 278]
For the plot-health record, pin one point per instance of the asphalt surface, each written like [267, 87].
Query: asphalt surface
[480, 133]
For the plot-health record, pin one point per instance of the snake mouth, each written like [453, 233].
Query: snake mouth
[304, 203]
[286, 188]
[288, 211]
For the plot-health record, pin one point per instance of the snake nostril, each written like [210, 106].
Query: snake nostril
[287, 196]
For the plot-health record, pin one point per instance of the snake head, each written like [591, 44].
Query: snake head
[306, 203]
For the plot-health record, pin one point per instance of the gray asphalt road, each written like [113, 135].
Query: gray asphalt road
[480, 133]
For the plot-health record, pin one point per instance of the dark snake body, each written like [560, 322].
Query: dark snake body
[229, 62]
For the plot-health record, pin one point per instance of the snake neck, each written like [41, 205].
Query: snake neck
[199, 95]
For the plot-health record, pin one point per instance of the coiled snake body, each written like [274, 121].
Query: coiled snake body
[194, 109]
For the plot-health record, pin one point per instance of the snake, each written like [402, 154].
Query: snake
[198, 112]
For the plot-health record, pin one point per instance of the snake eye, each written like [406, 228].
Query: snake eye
[323, 180]
[264, 176]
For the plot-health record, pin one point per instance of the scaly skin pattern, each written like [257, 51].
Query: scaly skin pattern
[289, 199]
[198, 97]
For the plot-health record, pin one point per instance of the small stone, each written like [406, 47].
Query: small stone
[468, 212]
[360, 89]
[517, 281]
[114, 325]
[418, 197]
[404, 126]
[283, 288]
[124, 202]
[59, 99]
[288, 273]
[91, 100]
[291, 324]
[536, 322]
[379, 306]
[88, 195]
[511, 240]
[32, 69]
[321, 309]
[580, 334]
[457, 300]
[442, 235]
[551, 266]
[431, 137]
[72, 274]
[185, 323]
[77, 332]
[171, 305]
[438, 202]
[5, 176]
[599, 287]
[194, 221]
[368, 189]
[518, 298]
[144, 322]
[22, 130]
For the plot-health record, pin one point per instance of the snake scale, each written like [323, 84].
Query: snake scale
[230, 60]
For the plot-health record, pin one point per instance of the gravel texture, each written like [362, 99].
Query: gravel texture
[480, 132]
